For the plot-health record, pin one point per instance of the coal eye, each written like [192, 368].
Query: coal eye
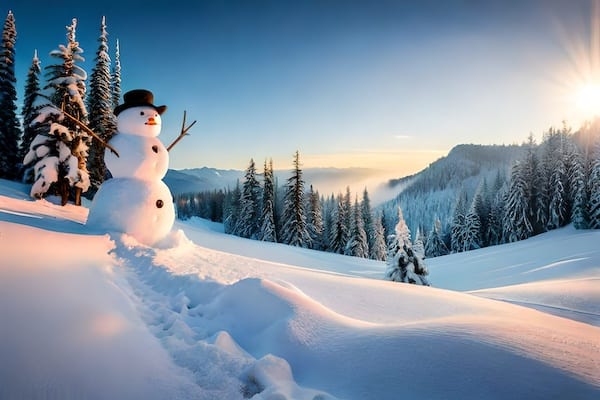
[141, 113]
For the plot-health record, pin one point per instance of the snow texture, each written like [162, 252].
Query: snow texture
[205, 315]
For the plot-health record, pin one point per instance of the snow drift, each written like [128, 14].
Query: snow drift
[210, 316]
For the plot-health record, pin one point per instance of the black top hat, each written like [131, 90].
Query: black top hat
[138, 98]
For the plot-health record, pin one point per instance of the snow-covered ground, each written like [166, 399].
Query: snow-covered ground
[205, 315]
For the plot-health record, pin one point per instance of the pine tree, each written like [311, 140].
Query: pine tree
[268, 232]
[418, 245]
[578, 176]
[315, 219]
[357, 244]
[472, 228]
[250, 210]
[295, 231]
[517, 224]
[556, 151]
[495, 228]
[59, 155]
[534, 175]
[401, 230]
[30, 111]
[329, 208]
[378, 251]
[481, 206]
[403, 265]
[459, 223]
[339, 233]
[116, 78]
[347, 214]
[594, 188]
[367, 215]
[10, 131]
[101, 118]
[557, 209]
[435, 244]
[231, 210]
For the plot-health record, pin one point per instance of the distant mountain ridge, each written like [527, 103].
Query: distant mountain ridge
[327, 180]
[201, 179]
[464, 161]
[432, 193]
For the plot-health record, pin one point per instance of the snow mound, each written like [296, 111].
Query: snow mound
[578, 299]
[431, 332]
[102, 316]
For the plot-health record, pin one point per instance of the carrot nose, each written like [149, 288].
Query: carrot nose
[151, 121]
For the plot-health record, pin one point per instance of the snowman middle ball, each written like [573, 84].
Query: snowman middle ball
[140, 157]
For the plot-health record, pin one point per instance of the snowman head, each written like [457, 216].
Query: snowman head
[138, 115]
[141, 121]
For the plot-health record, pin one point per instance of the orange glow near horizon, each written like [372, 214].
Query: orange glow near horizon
[403, 162]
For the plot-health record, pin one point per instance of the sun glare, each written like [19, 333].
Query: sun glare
[588, 99]
[580, 75]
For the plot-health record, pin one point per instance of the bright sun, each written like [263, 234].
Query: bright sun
[588, 98]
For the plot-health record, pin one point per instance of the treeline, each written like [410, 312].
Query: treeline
[260, 209]
[551, 185]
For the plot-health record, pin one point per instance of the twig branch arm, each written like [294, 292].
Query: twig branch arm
[91, 132]
[183, 133]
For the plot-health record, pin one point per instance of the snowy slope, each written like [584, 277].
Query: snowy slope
[210, 316]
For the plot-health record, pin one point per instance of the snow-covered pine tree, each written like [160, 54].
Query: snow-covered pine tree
[396, 241]
[378, 250]
[231, 209]
[594, 189]
[459, 223]
[295, 230]
[482, 205]
[329, 206]
[10, 131]
[102, 121]
[30, 112]
[339, 231]
[435, 246]
[268, 231]
[401, 230]
[250, 209]
[556, 150]
[367, 215]
[578, 176]
[315, 219]
[418, 245]
[357, 244]
[403, 265]
[472, 228]
[495, 228]
[534, 177]
[517, 224]
[116, 77]
[557, 209]
[59, 155]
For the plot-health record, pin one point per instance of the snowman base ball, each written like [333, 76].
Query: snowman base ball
[142, 209]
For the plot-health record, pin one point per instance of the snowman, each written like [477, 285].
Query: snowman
[136, 201]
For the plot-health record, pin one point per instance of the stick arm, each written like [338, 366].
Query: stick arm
[183, 133]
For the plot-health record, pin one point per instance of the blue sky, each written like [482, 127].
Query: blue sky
[382, 84]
